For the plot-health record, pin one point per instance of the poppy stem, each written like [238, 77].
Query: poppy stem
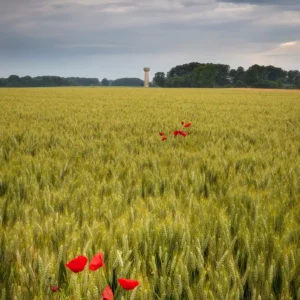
[117, 291]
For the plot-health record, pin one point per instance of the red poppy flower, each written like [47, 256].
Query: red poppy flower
[176, 132]
[77, 264]
[187, 125]
[107, 294]
[182, 123]
[182, 133]
[163, 138]
[96, 262]
[161, 134]
[128, 284]
[188, 133]
[54, 288]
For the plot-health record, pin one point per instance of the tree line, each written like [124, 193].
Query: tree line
[211, 75]
[46, 81]
[52, 81]
[193, 74]
[125, 82]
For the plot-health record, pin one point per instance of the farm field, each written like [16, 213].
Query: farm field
[213, 215]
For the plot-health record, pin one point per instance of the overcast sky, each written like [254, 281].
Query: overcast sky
[117, 38]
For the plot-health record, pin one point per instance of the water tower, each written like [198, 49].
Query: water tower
[146, 80]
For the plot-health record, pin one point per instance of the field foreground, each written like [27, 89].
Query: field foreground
[214, 215]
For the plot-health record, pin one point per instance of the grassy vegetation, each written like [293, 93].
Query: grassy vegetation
[214, 215]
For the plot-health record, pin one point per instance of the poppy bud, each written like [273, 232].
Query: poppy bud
[54, 288]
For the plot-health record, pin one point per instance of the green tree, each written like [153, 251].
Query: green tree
[292, 76]
[105, 82]
[239, 84]
[297, 82]
[14, 80]
[274, 73]
[252, 75]
[237, 76]
[241, 74]
[222, 74]
[128, 82]
[233, 75]
[185, 69]
[205, 76]
[159, 79]
[27, 81]
[281, 82]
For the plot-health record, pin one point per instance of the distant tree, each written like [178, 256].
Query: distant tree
[266, 84]
[205, 76]
[264, 76]
[105, 82]
[169, 82]
[14, 80]
[81, 81]
[233, 75]
[252, 75]
[128, 82]
[182, 70]
[274, 73]
[222, 74]
[27, 81]
[241, 74]
[281, 82]
[44, 81]
[239, 84]
[159, 79]
[297, 82]
[292, 76]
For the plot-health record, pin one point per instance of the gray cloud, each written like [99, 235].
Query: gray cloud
[112, 38]
[264, 2]
[285, 3]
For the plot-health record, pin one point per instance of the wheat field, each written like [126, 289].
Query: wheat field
[214, 215]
